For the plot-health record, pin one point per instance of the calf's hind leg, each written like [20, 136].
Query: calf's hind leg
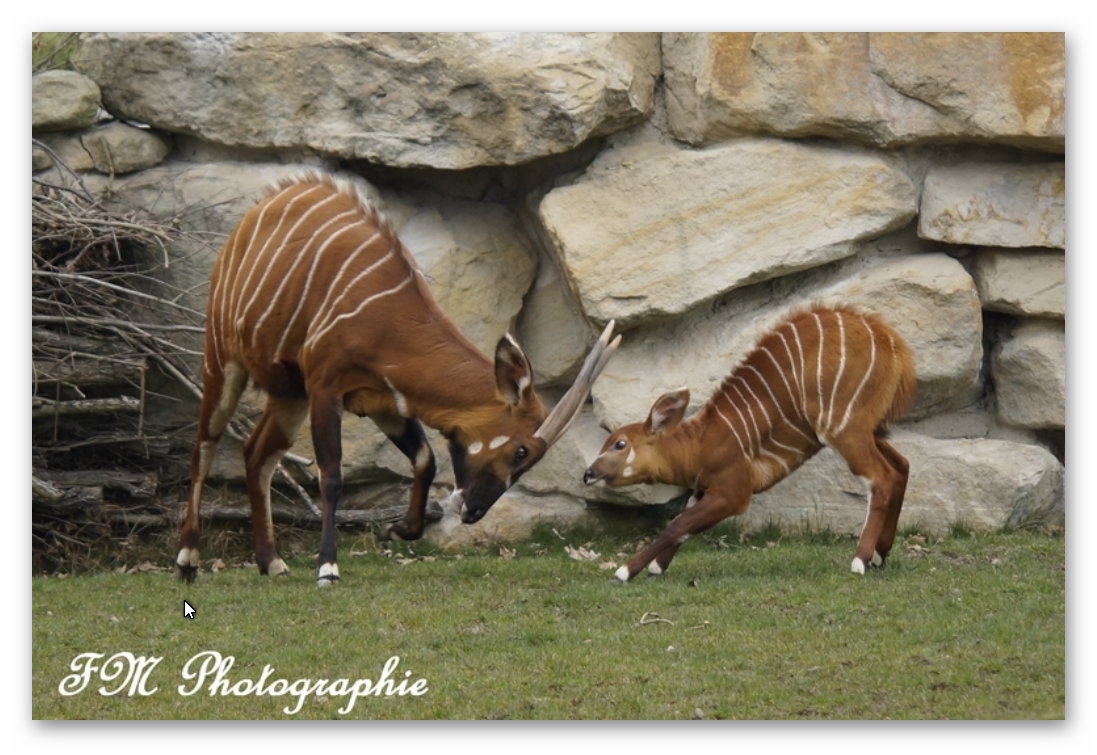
[895, 503]
[867, 460]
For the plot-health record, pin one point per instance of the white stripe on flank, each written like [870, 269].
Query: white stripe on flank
[326, 310]
[841, 368]
[777, 403]
[315, 337]
[260, 287]
[864, 380]
[803, 371]
[336, 287]
[750, 413]
[305, 291]
[250, 266]
[784, 378]
[303, 254]
[819, 372]
[739, 438]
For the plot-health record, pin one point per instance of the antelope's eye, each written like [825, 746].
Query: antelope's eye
[521, 453]
[620, 445]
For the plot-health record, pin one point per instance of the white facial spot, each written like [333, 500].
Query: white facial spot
[498, 441]
[631, 456]
[622, 574]
[627, 472]
[475, 447]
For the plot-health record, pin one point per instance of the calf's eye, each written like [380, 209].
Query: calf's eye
[620, 445]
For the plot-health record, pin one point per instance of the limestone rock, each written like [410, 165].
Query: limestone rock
[449, 101]
[477, 260]
[118, 148]
[882, 89]
[929, 299]
[511, 520]
[1023, 282]
[551, 328]
[652, 231]
[1002, 205]
[983, 484]
[63, 101]
[1029, 371]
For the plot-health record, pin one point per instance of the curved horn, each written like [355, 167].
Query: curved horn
[571, 403]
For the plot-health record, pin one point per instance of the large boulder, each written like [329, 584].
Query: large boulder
[1029, 369]
[979, 483]
[451, 101]
[652, 231]
[884, 89]
[63, 101]
[929, 299]
[992, 204]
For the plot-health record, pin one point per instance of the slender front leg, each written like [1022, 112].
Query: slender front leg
[326, 417]
[408, 436]
[709, 510]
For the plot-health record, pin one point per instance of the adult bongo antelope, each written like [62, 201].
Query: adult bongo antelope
[833, 376]
[316, 300]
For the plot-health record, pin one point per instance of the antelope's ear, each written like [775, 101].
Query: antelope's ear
[667, 411]
[513, 373]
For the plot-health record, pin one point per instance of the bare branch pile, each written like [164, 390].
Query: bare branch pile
[104, 343]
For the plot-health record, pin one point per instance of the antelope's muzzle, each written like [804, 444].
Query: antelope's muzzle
[590, 476]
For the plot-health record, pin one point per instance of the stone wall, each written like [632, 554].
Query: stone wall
[691, 186]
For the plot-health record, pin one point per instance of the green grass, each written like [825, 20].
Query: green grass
[968, 627]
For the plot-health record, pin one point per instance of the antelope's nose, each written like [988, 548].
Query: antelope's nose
[590, 476]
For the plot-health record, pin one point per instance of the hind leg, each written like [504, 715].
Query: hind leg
[895, 503]
[866, 460]
[264, 449]
[222, 389]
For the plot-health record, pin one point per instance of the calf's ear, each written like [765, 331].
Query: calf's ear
[667, 411]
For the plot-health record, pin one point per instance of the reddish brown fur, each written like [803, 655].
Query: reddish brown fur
[315, 299]
[825, 375]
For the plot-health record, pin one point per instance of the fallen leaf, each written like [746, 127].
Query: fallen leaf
[582, 553]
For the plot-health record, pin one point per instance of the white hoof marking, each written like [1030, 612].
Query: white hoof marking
[188, 557]
[654, 568]
[277, 568]
[327, 574]
[857, 567]
[622, 574]
[877, 560]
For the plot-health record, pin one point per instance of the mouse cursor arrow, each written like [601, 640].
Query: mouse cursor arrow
[188, 610]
